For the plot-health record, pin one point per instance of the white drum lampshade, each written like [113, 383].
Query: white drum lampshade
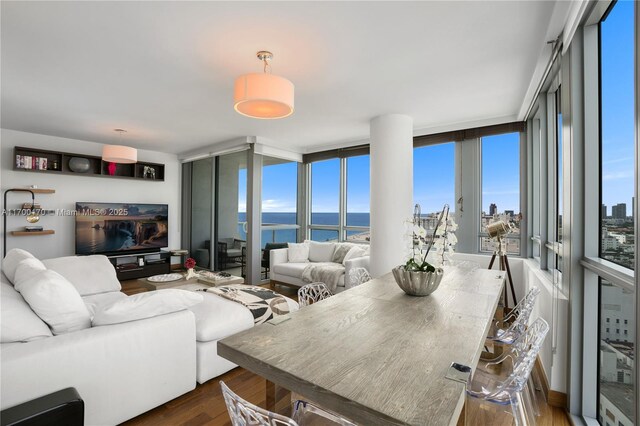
[119, 154]
[265, 96]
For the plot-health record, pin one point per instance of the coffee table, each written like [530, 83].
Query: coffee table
[205, 281]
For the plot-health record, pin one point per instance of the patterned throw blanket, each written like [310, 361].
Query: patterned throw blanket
[263, 303]
[324, 272]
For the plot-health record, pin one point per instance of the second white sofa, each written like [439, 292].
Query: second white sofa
[284, 270]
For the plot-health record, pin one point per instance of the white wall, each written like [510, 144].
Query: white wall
[70, 189]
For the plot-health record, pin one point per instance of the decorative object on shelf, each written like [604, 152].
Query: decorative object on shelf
[421, 274]
[111, 168]
[149, 172]
[79, 164]
[264, 96]
[165, 278]
[53, 165]
[189, 264]
[498, 231]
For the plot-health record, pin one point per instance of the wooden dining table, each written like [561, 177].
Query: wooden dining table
[375, 354]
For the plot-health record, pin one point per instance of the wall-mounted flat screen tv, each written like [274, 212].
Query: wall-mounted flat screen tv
[121, 228]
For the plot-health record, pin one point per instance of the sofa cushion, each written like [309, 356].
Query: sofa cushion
[18, 322]
[11, 261]
[341, 251]
[89, 274]
[321, 252]
[144, 305]
[290, 269]
[298, 253]
[97, 300]
[217, 318]
[354, 252]
[54, 299]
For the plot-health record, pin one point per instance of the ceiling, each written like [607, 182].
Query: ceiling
[165, 70]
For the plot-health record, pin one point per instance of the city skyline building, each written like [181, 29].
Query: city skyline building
[619, 211]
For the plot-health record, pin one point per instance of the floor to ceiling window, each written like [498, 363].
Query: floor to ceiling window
[340, 199]
[357, 189]
[279, 201]
[325, 200]
[616, 398]
[434, 163]
[500, 187]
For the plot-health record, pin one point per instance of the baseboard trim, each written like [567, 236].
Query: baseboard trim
[554, 398]
[557, 399]
[544, 383]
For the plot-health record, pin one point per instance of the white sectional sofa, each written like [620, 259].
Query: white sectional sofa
[119, 370]
[287, 270]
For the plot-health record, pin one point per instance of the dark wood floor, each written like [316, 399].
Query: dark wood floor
[205, 404]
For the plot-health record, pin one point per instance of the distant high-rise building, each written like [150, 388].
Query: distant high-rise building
[493, 209]
[510, 213]
[619, 211]
[603, 211]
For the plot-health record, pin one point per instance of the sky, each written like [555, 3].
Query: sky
[434, 166]
[617, 106]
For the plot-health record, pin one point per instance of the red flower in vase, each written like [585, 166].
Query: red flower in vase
[190, 263]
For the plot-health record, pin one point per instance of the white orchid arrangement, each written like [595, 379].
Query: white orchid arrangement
[440, 244]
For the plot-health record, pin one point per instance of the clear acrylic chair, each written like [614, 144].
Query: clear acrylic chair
[508, 329]
[513, 390]
[358, 276]
[244, 413]
[312, 293]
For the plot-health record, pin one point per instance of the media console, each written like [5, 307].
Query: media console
[132, 266]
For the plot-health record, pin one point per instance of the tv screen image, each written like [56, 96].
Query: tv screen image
[118, 228]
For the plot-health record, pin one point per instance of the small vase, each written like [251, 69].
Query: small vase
[191, 273]
[111, 168]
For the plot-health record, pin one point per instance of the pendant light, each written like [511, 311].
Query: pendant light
[119, 153]
[263, 96]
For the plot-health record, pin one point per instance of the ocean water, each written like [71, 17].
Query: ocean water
[290, 235]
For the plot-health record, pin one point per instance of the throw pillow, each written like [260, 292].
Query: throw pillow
[54, 299]
[298, 253]
[145, 305]
[355, 252]
[89, 274]
[27, 269]
[11, 261]
[341, 251]
[18, 323]
[321, 252]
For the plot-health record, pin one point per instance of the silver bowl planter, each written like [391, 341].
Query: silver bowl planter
[416, 283]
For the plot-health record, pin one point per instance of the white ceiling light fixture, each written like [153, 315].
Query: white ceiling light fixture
[119, 153]
[263, 96]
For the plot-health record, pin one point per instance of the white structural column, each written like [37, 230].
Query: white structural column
[391, 149]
